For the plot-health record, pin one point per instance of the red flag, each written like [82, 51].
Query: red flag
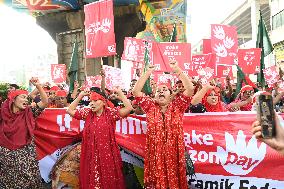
[166, 52]
[100, 38]
[134, 49]
[58, 73]
[271, 75]
[207, 46]
[249, 60]
[224, 71]
[224, 43]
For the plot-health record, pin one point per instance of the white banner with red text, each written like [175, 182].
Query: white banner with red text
[225, 153]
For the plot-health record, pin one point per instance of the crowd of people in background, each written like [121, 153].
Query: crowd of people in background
[101, 107]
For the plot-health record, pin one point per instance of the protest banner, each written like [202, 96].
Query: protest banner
[225, 153]
[249, 60]
[113, 77]
[58, 73]
[224, 43]
[99, 27]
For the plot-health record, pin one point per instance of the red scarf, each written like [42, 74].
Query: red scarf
[16, 129]
[213, 108]
[96, 96]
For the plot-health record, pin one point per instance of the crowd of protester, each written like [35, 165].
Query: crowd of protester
[102, 106]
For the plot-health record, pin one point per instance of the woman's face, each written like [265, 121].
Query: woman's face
[247, 94]
[97, 105]
[163, 95]
[212, 98]
[60, 101]
[21, 101]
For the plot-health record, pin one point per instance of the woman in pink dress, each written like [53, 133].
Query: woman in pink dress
[100, 161]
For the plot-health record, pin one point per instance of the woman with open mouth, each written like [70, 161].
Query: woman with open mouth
[18, 164]
[164, 165]
[100, 160]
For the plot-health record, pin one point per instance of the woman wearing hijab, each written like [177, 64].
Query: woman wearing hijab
[165, 165]
[243, 101]
[208, 99]
[100, 161]
[18, 164]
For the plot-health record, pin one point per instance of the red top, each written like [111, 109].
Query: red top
[164, 165]
[100, 164]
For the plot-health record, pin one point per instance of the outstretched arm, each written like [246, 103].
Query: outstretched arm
[141, 81]
[103, 82]
[197, 98]
[72, 108]
[188, 85]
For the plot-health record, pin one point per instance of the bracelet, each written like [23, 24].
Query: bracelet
[179, 74]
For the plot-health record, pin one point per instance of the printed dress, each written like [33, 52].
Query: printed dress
[164, 165]
[19, 168]
[100, 160]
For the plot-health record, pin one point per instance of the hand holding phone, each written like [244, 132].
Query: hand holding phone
[265, 115]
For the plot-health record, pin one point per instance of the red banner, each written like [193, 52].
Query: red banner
[224, 71]
[224, 43]
[99, 26]
[58, 73]
[113, 77]
[207, 46]
[134, 49]
[221, 145]
[166, 52]
[249, 60]
[271, 75]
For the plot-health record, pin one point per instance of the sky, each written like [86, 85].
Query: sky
[205, 12]
[24, 46]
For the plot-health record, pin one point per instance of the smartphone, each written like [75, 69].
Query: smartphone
[266, 116]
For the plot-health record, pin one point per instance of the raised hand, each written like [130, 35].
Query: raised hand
[276, 142]
[35, 81]
[151, 68]
[174, 66]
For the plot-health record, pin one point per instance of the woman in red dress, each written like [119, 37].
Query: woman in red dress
[164, 166]
[100, 161]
